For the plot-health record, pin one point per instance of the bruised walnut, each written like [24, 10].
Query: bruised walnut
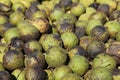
[114, 50]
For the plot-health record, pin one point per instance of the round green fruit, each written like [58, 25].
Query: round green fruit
[3, 19]
[101, 73]
[35, 59]
[91, 24]
[113, 28]
[67, 17]
[59, 58]
[32, 46]
[49, 40]
[79, 64]
[16, 17]
[98, 15]
[104, 60]
[56, 13]
[27, 30]
[18, 6]
[11, 33]
[77, 9]
[69, 39]
[38, 14]
[60, 71]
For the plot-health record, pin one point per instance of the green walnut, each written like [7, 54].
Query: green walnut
[56, 13]
[16, 17]
[69, 39]
[59, 58]
[79, 64]
[91, 24]
[98, 15]
[11, 33]
[27, 30]
[18, 6]
[80, 28]
[49, 40]
[35, 59]
[38, 14]
[101, 73]
[31, 46]
[3, 19]
[104, 60]
[113, 28]
[60, 71]
[67, 17]
[77, 9]
[64, 26]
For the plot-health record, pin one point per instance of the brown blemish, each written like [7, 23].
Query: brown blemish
[113, 50]
[41, 24]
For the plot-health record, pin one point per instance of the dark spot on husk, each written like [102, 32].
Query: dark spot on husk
[37, 74]
[100, 33]
[80, 32]
[95, 48]
[66, 27]
[57, 37]
[94, 5]
[16, 43]
[42, 24]
[75, 4]
[65, 3]
[5, 75]
[114, 50]
[104, 8]
[114, 15]
[33, 8]
[35, 36]
[82, 51]
[116, 71]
